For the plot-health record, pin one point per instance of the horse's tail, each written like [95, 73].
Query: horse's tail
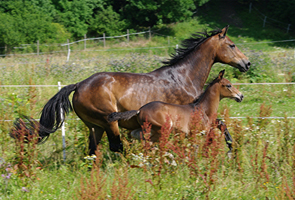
[52, 116]
[122, 115]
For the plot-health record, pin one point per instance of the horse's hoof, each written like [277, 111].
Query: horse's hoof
[229, 154]
[116, 148]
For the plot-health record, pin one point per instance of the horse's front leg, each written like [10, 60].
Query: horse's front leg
[228, 139]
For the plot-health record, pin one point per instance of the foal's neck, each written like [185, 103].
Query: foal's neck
[209, 101]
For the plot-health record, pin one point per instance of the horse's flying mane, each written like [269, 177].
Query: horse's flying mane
[189, 45]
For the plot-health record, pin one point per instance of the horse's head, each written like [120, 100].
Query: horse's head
[228, 53]
[227, 90]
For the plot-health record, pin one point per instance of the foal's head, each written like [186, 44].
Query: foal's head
[227, 90]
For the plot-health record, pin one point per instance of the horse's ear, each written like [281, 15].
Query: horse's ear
[220, 75]
[224, 31]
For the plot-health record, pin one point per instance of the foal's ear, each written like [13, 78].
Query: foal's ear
[220, 75]
[224, 31]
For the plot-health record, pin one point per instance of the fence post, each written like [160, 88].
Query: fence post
[85, 42]
[69, 50]
[176, 48]
[288, 28]
[150, 34]
[63, 133]
[250, 7]
[128, 35]
[264, 21]
[104, 40]
[68, 56]
[38, 47]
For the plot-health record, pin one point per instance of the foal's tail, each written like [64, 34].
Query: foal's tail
[122, 115]
[52, 117]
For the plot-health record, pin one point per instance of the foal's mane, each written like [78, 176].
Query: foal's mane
[189, 45]
[200, 97]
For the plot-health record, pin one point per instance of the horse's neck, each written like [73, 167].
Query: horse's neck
[210, 101]
[194, 68]
[203, 59]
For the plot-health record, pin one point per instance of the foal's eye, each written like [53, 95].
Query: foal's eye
[228, 86]
[232, 45]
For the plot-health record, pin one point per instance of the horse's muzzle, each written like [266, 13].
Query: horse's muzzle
[244, 66]
[239, 98]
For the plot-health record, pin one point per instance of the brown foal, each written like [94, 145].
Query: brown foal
[156, 112]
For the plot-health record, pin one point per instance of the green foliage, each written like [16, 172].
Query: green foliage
[201, 2]
[9, 33]
[23, 22]
[58, 34]
[74, 15]
[150, 13]
[106, 21]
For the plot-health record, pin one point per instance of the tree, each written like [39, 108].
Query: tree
[24, 22]
[9, 34]
[153, 12]
[106, 21]
[75, 14]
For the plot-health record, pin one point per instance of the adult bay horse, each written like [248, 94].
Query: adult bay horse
[179, 81]
[179, 116]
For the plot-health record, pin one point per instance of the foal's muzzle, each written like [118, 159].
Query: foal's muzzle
[239, 97]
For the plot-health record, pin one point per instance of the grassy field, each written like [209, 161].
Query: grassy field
[262, 165]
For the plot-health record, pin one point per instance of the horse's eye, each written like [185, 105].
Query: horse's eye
[228, 86]
[232, 45]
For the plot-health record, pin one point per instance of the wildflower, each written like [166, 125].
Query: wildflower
[92, 157]
[24, 189]
[8, 176]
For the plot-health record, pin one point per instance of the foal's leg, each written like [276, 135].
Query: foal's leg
[155, 134]
[137, 134]
[222, 127]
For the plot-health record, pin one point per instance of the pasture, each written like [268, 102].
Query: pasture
[262, 164]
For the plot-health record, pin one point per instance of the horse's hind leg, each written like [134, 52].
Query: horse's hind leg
[114, 137]
[228, 139]
[95, 135]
